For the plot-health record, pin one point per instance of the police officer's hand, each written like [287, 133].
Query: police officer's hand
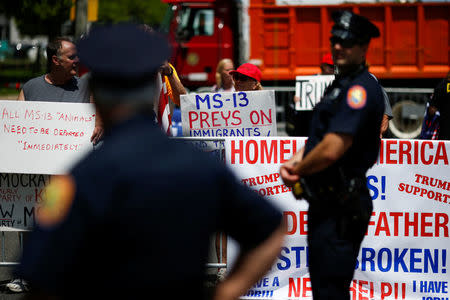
[287, 173]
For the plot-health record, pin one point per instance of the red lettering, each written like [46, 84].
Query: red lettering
[252, 114]
[294, 288]
[266, 155]
[441, 154]
[214, 119]
[225, 117]
[405, 152]
[422, 153]
[283, 150]
[237, 151]
[439, 224]
[286, 215]
[248, 152]
[236, 117]
[390, 151]
[425, 224]
[204, 119]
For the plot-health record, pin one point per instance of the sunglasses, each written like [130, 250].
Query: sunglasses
[344, 43]
[240, 77]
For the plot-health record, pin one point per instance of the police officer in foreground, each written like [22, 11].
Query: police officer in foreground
[343, 144]
[118, 225]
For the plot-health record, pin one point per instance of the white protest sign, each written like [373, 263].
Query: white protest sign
[44, 137]
[310, 90]
[19, 194]
[229, 114]
[405, 252]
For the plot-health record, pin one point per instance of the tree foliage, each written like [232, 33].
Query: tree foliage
[142, 11]
[42, 17]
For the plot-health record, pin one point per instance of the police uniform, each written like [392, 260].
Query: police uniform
[135, 217]
[339, 203]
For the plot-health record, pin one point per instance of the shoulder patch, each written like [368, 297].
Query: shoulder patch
[57, 200]
[356, 97]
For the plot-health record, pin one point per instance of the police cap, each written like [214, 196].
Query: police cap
[350, 26]
[123, 53]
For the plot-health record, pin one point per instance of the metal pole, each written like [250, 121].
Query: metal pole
[81, 18]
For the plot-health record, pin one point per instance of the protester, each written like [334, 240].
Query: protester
[440, 102]
[61, 83]
[133, 219]
[298, 121]
[330, 170]
[247, 78]
[224, 80]
[170, 88]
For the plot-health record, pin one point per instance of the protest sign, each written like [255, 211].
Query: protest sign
[310, 90]
[229, 114]
[19, 194]
[404, 254]
[44, 137]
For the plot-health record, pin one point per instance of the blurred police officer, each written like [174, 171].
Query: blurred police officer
[343, 144]
[116, 226]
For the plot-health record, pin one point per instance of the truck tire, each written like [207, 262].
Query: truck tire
[407, 121]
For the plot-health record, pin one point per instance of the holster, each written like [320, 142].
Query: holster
[337, 194]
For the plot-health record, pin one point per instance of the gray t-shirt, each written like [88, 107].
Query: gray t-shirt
[76, 90]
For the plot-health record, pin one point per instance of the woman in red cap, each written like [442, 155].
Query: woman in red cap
[247, 78]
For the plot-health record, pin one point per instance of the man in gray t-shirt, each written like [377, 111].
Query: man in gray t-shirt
[61, 84]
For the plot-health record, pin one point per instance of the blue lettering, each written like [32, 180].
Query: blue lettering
[199, 99]
[285, 259]
[371, 187]
[400, 260]
[414, 260]
[216, 98]
[388, 260]
[367, 255]
[429, 260]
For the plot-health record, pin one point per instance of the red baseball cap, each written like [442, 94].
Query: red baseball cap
[327, 59]
[249, 70]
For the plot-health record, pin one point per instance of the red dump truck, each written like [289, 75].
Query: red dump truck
[286, 39]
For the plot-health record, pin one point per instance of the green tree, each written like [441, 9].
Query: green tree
[142, 11]
[38, 17]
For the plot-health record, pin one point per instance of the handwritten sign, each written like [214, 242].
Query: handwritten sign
[310, 89]
[19, 195]
[44, 137]
[229, 114]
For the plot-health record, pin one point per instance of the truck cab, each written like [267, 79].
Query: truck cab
[201, 34]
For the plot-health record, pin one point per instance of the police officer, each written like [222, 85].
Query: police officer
[133, 219]
[343, 144]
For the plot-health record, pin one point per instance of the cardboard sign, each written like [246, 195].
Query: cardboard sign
[404, 254]
[44, 137]
[229, 114]
[19, 194]
[310, 90]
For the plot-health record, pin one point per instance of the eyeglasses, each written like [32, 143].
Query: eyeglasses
[240, 77]
[344, 43]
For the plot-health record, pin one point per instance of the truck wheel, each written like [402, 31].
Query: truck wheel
[407, 121]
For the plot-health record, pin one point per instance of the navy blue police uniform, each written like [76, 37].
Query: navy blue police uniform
[135, 216]
[339, 202]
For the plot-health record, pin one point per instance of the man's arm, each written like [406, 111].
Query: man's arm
[175, 83]
[98, 129]
[384, 124]
[328, 151]
[250, 267]
[21, 96]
